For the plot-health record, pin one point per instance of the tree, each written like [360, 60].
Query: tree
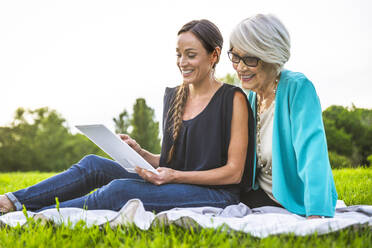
[230, 79]
[141, 126]
[349, 132]
[336, 137]
[145, 128]
[122, 123]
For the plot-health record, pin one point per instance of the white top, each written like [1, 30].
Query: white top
[264, 175]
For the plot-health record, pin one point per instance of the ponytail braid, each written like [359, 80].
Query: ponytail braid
[177, 110]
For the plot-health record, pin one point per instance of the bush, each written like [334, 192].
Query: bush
[338, 161]
[41, 140]
[369, 159]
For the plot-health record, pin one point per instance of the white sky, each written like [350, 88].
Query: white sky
[91, 59]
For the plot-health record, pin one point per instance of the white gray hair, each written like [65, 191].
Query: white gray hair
[263, 36]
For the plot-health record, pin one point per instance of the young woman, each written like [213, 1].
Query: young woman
[204, 149]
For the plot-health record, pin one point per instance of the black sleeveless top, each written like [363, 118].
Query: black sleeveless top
[203, 141]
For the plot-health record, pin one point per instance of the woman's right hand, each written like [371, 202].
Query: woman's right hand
[166, 175]
[131, 142]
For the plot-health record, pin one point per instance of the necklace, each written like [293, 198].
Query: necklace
[261, 164]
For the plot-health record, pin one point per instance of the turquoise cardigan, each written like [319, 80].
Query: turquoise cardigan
[302, 176]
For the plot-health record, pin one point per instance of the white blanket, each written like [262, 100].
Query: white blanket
[259, 222]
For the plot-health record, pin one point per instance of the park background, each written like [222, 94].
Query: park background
[70, 62]
[64, 63]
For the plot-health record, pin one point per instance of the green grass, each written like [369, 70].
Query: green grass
[10, 182]
[353, 186]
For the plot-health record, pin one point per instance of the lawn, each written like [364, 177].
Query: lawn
[354, 186]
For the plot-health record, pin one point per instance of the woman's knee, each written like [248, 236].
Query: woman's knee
[130, 188]
[115, 193]
[90, 163]
[91, 158]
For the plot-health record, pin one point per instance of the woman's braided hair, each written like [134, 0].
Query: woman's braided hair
[210, 37]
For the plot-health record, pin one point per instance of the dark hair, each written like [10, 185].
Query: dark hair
[210, 37]
[207, 32]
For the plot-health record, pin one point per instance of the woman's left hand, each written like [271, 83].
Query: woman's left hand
[166, 175]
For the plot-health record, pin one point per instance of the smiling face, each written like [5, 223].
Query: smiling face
[193, 59]
[254, 78]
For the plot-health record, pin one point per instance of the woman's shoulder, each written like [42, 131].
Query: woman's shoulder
[231, 89]
[293, 76]
[231, 93]
[297, 89]
[170, 90]
[234, 95]
[170, 93]
[229, 86]
[295, 80]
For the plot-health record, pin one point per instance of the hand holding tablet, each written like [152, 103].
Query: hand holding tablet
[116, 148]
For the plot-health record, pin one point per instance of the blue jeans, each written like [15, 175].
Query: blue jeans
[115, 187]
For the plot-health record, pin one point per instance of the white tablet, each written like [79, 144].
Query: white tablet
[111, 144]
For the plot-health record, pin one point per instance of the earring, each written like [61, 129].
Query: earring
[211, 73]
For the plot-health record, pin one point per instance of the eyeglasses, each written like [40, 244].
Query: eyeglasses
[247, 60]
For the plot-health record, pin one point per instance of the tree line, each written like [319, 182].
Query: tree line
[41, 140]
[349, 135]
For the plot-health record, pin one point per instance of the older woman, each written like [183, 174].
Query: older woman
[292, 168]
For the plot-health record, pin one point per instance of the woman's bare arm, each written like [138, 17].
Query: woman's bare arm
[153, 159]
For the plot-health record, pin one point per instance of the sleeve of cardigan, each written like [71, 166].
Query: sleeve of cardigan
[310, 145]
